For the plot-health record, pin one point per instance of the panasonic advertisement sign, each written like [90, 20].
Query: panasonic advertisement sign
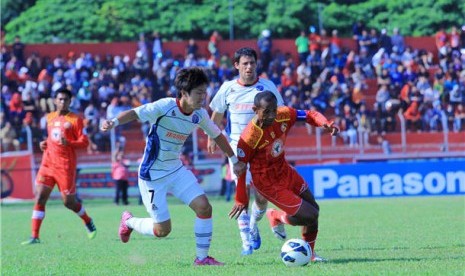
[419, 178]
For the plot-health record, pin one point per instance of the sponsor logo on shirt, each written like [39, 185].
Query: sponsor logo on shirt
[195, 119]
[260, 87]
[177, 136]
[277, 148]
[240, 152]
[240, 106]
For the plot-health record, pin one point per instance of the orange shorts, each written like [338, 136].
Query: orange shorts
[66, 180]
[283, 191]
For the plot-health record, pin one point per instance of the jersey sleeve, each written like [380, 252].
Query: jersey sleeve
[218, 103]
[244, 154]
[210, 128]
[82, 141]
[149, 112]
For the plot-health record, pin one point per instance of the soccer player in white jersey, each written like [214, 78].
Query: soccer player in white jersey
[237, 97]
[161, 170]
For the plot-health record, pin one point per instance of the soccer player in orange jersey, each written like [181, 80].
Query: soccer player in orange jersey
[65, 135]
[262, 146]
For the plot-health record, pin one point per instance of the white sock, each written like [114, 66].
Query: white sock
[256, 216]
[244, 229]
[203, 235]
[141, 225]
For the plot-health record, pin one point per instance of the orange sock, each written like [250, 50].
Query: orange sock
[81, 212]
[38, 214]
[311, 239]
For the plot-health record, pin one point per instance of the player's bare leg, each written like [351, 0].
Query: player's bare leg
[38, 213]
[71, 203]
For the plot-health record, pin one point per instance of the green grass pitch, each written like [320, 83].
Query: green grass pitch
[396, 236]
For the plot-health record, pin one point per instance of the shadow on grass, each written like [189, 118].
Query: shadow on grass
[371, 260]
[395, 248]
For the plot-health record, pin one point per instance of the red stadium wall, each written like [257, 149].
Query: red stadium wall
[178, 48]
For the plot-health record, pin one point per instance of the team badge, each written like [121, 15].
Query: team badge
[195, 119]
[283, 127]
[272, 134]
[277, 148]
[173, 113]
[240, 152]
[260, 87]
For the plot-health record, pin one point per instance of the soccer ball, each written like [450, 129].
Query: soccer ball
[295, 252]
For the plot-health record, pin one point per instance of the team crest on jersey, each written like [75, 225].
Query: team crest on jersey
[173, 113]
[283, 127]
[272, 134]
[240, 152]
[195, 119]
[260, 87]
[277, 148]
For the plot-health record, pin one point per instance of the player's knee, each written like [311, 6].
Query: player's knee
[261, 201]
[161, 232]
[204, 210]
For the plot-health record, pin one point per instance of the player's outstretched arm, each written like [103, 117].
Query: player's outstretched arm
[241, 200]
[216, 118]
[122, 118]
[239, 167]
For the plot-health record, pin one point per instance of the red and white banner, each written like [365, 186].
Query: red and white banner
[18, 173]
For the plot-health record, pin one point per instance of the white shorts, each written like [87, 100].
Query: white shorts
[182, 184]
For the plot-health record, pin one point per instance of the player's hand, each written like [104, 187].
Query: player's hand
[107, 125]
[236, 210]
[239, 168]
[211, 145]
[43, 145]
[331, 128]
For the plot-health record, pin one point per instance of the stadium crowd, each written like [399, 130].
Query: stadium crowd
[427, 88]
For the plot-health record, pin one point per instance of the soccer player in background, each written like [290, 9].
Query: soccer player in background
[237, 97]
[161, 170]
[59, 161]
[261, 145]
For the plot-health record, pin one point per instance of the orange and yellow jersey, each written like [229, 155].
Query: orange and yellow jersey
[263, 149]
[69, 127]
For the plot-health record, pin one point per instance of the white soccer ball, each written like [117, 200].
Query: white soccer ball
[296, 252]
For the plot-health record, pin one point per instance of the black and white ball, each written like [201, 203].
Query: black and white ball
[296, 252]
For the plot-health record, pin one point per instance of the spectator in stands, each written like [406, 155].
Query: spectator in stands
[413, 117]
[8, 137]
[192, 48]
[157, 46]
[302, 44]
[314, 39]
[385, 41]
[336, 45]
[213, 43]
[357, 29]
[459, 118]
[397, 40]
[441, 40]
[265, 46]
[18, 50]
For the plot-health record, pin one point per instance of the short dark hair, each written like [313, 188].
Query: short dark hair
[64, 90]
[266, 95]
[189, 78]
[247, 52]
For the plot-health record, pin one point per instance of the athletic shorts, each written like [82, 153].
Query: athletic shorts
[283, 191]
[182, 184]
[64, 179]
